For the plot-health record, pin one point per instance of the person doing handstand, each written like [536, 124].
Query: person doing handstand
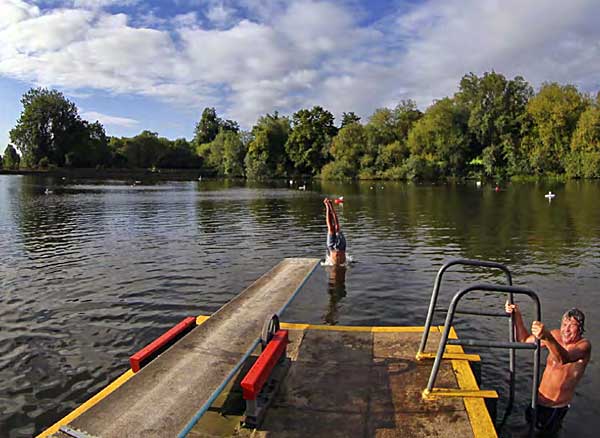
[568, 355]
[336, 242]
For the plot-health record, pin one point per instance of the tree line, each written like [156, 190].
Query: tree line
[492, 126]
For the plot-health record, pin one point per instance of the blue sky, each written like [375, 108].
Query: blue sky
[156, 65]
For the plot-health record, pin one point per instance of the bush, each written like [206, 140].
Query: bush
[591, 165]
[395, 173]
[43, 163]
[420, 168]
[338, 170]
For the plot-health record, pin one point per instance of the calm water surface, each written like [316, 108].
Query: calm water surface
[91, 271]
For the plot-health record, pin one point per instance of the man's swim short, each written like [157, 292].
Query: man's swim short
[548, 419]
[336, 242]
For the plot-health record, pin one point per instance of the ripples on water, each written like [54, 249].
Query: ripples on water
[92, 272]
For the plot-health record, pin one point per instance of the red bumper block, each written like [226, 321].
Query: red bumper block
[261, 370]
[159, 345]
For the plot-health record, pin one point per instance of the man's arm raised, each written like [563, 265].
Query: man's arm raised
[579, 351]
[522, 334]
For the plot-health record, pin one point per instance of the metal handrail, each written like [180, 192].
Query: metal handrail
[494, 288]
[432, 309]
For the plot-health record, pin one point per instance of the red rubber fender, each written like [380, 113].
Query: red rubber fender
[253, 382]
[160, 344]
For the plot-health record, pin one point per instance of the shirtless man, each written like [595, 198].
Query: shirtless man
[568, 355]
[336, 242]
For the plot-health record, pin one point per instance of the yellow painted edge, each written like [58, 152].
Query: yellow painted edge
[449, 392]
[457, 356]
[201, 318]
[88, 404]
[98, 397]
[479, 417]
[346, 328]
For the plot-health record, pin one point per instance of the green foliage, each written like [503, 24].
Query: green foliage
[210, 125]
[586, 137]
[91, 149]
[225, 154]
[391, 156]
[308, 144]
[496, 108]
[11, 159]
[207, 128]
[395, 173]
[381, 129]
[145, 150]
[50, 127]
[266, 156]
[554, 112]
[179, 154]
[349, 118]
[405, 115]
[338, 170]
[349, 147]
[440, 137]
[420, 168]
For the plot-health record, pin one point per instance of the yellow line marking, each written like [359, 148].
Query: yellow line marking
[457, 356]
[98, 397]
[201, 318]
[346, 328]
[481, 423]
[88, 404]
[449, 392]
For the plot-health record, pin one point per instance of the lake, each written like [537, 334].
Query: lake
[92, 271]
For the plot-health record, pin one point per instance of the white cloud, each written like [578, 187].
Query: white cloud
[285, 55]
[99, 4]
[107, 120]
[219, 14]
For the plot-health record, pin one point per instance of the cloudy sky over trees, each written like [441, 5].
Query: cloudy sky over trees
[136, 65]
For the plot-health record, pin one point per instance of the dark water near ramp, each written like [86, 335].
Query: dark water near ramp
[90, 272]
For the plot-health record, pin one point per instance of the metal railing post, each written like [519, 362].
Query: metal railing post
[510, 345]
[438, 282]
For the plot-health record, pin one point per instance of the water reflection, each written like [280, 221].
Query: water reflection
[336, 288]
[96, 269]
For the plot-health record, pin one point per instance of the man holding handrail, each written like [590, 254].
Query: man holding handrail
[568, 355]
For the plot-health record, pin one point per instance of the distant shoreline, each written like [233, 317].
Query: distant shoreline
[125, 174]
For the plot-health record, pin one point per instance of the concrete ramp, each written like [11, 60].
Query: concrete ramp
[163, 397]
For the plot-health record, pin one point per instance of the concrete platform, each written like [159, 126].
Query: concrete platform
[352, 382]
[161, 399]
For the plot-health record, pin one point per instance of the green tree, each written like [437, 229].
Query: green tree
[145, 150]
[584, 158]
[440, 138]
[49, 127]
[496, 108]
[225, 154]
[348, 149]
[91, 149]
[11, 160]
[266, 156]
[234, 153]
[308, 143]
[348, 118]
[210, 125]
[207, 128]
[179, 155]
[554, 113]
[405, 115]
